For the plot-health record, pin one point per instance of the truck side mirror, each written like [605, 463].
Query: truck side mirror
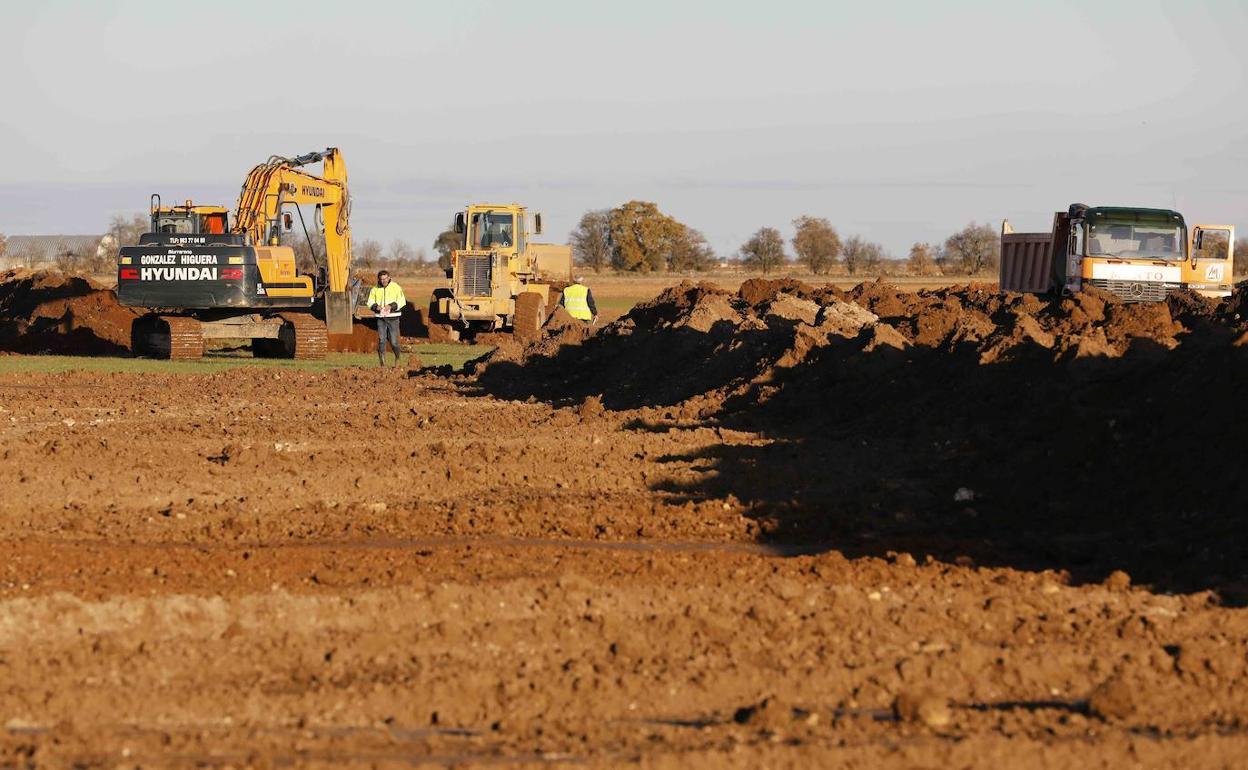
[537, 224]
[459, 223]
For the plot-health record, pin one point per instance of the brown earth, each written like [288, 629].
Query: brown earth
[782, 527]
[46, 311]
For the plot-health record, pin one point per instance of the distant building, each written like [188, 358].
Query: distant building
[41, 250]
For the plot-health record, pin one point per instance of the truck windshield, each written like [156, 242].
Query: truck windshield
[1137, 238]
[492, 230]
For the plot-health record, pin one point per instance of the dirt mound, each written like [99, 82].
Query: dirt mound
[415, 322]
[49, 311]
[756, 291]
[1042, 408]
[689, 340]
[561, 330]
[362, 339]
[697, 338]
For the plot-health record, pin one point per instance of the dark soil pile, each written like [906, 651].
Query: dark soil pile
[47, 311]
[1081, 432]
[362, 339]
[698, 339]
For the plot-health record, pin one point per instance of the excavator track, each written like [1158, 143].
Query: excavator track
[304, 337]
[176, 338]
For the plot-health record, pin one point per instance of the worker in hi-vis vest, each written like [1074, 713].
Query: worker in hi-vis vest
[578, 300]
[386, 300]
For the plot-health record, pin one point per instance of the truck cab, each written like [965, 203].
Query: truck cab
[1139, 254]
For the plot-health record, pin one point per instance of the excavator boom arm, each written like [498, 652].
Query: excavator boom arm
[279, 181]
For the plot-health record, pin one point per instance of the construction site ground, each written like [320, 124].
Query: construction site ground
[779, 526]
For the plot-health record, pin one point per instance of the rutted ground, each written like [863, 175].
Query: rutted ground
[263, 568]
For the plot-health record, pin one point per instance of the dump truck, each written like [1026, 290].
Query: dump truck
[500, 279]
[206, 278]
[1139, 254]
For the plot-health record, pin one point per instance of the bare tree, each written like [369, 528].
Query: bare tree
[690, 251]
[125, 232]
[764, 250]
[591, 240]
[922, 259]
[446, 242]
[4, 246]
[66, 259]
[974, 249]
[861, 254]
[309, 249]
[400, 253]
[816, 243]
[368, 253]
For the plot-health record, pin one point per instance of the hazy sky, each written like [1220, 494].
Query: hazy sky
[899, 121]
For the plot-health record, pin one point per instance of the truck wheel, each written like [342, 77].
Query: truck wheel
[530, 315]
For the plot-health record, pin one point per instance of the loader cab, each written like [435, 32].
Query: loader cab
[492, 229]
[504, 227]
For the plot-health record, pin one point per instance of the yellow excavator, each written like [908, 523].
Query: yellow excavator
[207, 279]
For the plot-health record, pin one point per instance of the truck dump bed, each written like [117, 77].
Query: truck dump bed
[1027, 258]
[1026, 262]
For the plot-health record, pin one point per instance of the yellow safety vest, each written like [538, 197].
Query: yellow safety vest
[576, 303]
[383, 297]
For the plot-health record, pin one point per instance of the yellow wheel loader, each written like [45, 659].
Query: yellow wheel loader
[500, 279]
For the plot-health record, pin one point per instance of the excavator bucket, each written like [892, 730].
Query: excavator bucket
[338, 312]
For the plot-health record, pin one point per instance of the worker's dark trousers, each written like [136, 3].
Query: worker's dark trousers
[388, 328]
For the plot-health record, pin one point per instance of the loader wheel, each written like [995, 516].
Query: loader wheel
[171, 337]
[438, 328]
[530, 315]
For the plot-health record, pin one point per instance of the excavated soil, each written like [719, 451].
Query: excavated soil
[781, 527]
[47, 311]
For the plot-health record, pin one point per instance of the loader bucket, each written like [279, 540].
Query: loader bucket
[338, 312]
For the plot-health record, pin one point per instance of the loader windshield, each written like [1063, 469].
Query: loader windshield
[493, 229]
[1139, 236]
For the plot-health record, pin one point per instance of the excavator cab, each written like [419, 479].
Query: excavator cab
[188, 219]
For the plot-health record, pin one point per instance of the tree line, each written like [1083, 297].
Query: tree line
[638, 237]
